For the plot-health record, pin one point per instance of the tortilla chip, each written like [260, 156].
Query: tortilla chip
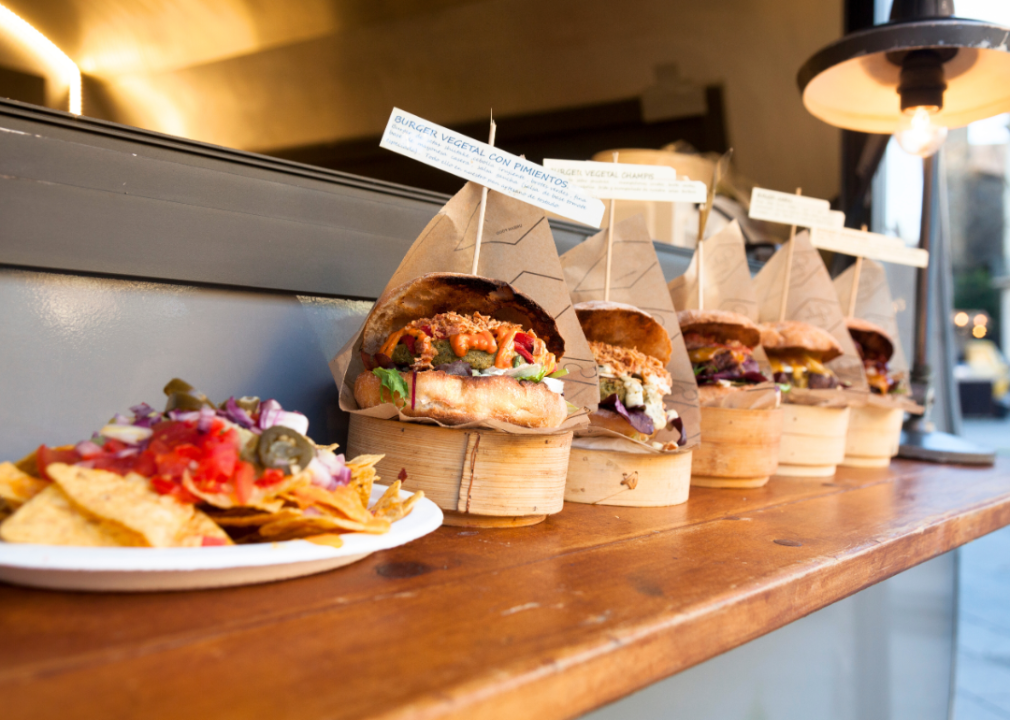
[363, 475]
[199, 527]
[389, 498]
[50, 518]
[262, 498]
[343, 500]
[317, 524]
[329, 539]
[396, 509]
[18, 487]
[249, 517]
[129, 501]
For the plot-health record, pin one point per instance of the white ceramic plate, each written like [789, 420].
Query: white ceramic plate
[147, 569]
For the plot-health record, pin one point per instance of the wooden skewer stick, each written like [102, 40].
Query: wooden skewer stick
[483, 208]
[720, 169]
[789, 269]
[699, 253]
[610, 246]
[855, 283]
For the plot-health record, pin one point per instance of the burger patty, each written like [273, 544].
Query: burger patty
[444, 354]
[612, 386]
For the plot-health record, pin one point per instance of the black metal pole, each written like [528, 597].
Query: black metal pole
[921, 375]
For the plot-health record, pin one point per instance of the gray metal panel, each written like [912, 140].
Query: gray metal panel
[75, 350]
[86, 196]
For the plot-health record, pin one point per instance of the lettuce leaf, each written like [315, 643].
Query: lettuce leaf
[392, 381]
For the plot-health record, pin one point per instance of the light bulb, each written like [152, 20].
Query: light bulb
[921, 136]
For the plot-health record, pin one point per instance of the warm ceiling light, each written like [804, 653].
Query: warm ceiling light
[915, 76]
[981, 319]
[43, 46]
[978, 331]
[961, 318]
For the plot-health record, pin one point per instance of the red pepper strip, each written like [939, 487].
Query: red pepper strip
[523, 345]
[524, 352]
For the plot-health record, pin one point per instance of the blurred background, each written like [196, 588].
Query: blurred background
[314, 81]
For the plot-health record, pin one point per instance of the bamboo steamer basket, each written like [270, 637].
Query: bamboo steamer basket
[813, 440]
[479, 477]
[739, 447]
[608, 477]
[873, 437]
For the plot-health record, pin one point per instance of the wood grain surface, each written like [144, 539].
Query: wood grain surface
[548, 621]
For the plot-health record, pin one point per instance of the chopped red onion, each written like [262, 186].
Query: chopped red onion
[205, 416]
[271, 413]
[237, 415]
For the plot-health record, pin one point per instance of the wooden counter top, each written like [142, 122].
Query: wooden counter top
[542, 622]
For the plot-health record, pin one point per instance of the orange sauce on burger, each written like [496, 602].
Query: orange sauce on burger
[461, 344]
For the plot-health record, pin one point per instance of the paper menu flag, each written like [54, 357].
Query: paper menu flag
[812, 299]
[789, 209]
[637, 279]
[492, 167]
[868, 245]
[623, 181]
[518, 248]
[727, 281]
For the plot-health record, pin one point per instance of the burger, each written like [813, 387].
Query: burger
[463, 349]
[875, 349]
[798, 354]
[631, 351]
[720, 345]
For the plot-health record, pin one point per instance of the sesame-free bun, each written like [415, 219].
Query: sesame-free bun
[720, 325]
[455, 400]
[435, 293]
[871, 337]
[791, 335]
[624, 326]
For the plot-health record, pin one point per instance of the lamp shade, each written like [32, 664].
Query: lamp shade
[853, 83]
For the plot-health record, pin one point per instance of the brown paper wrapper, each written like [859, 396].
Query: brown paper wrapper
[517, 247]
[637, 279]
[874, 303]
[728, 285]
[761, 396]
[812, 299]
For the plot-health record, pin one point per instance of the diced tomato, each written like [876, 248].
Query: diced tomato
[523, 344]
[409, 341]
[212, 541]
[46, 456]
[245, 476]
[145, 464]
[114, 446]
[426, 329]
[162, 485]
[270, 476]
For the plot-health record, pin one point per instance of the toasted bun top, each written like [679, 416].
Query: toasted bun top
[435, 293]
[721, 325]
[871, 336]
[624, 326]
[794, 335]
